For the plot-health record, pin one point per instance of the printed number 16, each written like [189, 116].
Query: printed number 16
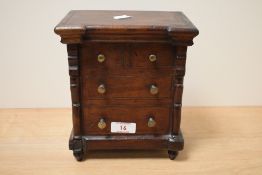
[123, 127]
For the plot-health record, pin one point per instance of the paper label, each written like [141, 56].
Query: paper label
[122, 17]
[122, 127]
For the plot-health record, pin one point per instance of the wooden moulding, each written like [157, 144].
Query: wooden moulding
[170, 142]
[117, 35]
[180, 61]
[73, 61]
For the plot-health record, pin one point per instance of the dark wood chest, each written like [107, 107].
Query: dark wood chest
[126, 78]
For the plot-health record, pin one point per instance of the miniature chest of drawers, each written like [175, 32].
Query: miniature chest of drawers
[126, 77]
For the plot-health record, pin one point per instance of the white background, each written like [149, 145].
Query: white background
[224, 67]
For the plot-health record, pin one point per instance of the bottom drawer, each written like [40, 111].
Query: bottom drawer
[147, 120]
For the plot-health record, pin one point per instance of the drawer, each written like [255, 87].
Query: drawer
[133, 86]
[139, 115]
[151, 55]
[106, 56]
[101, 55]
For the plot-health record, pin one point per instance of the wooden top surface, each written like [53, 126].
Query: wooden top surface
[217, 141]
[140, 20]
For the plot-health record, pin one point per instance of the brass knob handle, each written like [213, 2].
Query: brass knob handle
[101, 89]
[152, 58]
[153, 89]
[151, 122]
[101, 124]
[101, 58]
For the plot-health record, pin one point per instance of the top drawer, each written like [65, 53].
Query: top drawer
[122, 55]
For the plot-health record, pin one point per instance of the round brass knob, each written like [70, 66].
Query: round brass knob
[151, 122]
[153, 89]
[101, 89]
[101, 58]
[152, 58]
[101, 124]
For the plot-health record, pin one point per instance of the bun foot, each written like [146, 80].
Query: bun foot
[172, 154]
[79, 156]
[76, 145]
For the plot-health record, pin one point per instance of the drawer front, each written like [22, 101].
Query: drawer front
[151, 55]
[106, 56]
[101, 55]
[134, 86]
[139, 115]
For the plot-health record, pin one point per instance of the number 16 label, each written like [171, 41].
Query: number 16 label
[123, 127]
